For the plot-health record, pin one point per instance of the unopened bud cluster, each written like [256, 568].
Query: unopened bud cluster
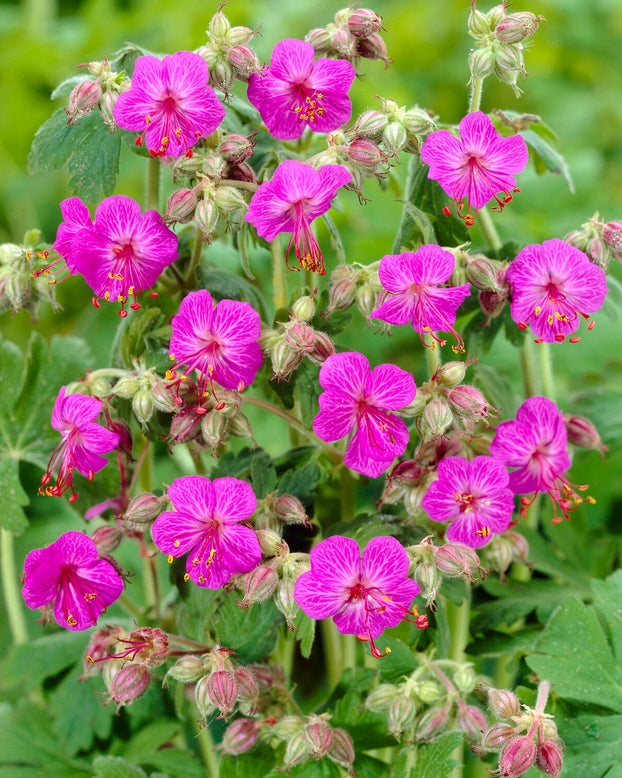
[227, 53]
[429, 701]
[98, 94]
[23, 278]
[354, 33]
[500, 37]
[600, 241]
[522, 738]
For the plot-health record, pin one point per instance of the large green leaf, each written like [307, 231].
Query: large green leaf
[28, 665]
[546, 157]
[593, 746]
[434, 760]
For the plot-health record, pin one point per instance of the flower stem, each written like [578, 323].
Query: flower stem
[196, 256]
[239, 184]
[206, 747]
[153, 183]
[476, 95]
[333, 657]
[459, 620]
[334, 455]
[547, 377]
[12, 596]
[488, 228]
[432, 355]
[531, 379]
[347, 496]
[279, 279]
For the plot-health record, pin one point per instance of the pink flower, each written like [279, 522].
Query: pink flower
[357, 398]
[413, 281]
[294, 92]
[76, 216]
[536, 443]
[221, 342]
[553, 285]
[124, 252]
[83, 442]
[474, 496]
[296, 195]
[477, 167]
[363, 597]
[170, 103]
[69, 575]
[206, 525]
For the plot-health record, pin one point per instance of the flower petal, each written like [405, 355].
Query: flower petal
[388, 386]
[234, 500]
[385, 564]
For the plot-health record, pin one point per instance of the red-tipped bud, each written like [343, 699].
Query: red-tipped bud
[296, 750]
[517, 26]
[455, 560]
[472, 721]
[186, 426]
[549, 757]
[125, 436]
[370, 124]
[180, 206]
[341, 293]
[496, 736]
[582, 433]
[126, 681]
[240, 736]
[517, 756]
[222, 691]
[432, 723]
[318, 738]
[259, 585]
[248, 688]
[244, 62]
[188, 669]
[492, 303]
[366, 153]
[83, 100]
[373, 47]
[342, 749]
[107, 539]
[142, 511]
[242, 172]
[290, 510]
[363, 22]
[503, 703]
[320, 38]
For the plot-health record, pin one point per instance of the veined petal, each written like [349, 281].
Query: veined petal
[388, 386]
[455, 471]
[438, 501]
[486, 476]
[240, 548]
[236, 323]
[117, 218]
[193, 495]
[385, 564]
[316, 599]
[331, 76]
[510, 154]
[337, 416]
[234, 500]
[478, 134]
[432, 265]
[292, 60]
[375, 444]
[336, 562]
[177, 533]
[298, 180]
[397, 272]
[76, 410]
[269, 213]
[397, 309]
[345, 373]
[184, 73]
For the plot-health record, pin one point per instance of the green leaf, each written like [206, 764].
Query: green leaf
[79, 715]
[580, 651]
[309, 390]
[305, 632]
[496, 388]
[300, 482]
[257, 764]
[223, 285]
[369, 767]
[434, 760]
[263, 476]
[30, 664]
[14, 498]
[400, 662]
[418, 226]
[367, 729]
[116, 767]
[593, 746]
[239, 465]
[132, 343]
[547, 157]
[88, 149]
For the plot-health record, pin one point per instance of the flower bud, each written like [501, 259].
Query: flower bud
[517, 756]
[142, 511]
[186, 426]
[229, 199]
[492, 303]
[162, 399]
[304, 307]
[517, 26]
[83, 100]
[464, 679]
[431, 724]
[496, 14]
[429, 579]
[181, 206]
[238, 36]
[240, 736]
[363, 22]
[320, 38]
[290, 510]
[98, 648]
[285, 602]
[394, 137]
[244, 62]
[519, 545]
[469, 402]
[248, 688]
[451, 374]
[126, 682]
[236, 148]
[509, 58]
[429, 691]
[418, 122]
[381, 698]
[582, 433]
[373, 47]
[206, 217]
[221, 688]
[188, 668]
[496, 736]
[126, 387]
[482, 272]
[341, 294]
[549, 757]
[317, 737]
[285, 360]
[142, 405]
[472, 721]
[344, 44]
[323, 348]
[342, 749]
[503, 703]
[296, 750]
[482, 62]
[219, 25]
[300, 336]
[214, 428]
[107, 539]
[288, 726]
[366, 153]
[612, 235]
[401, 715]
[259, 585]
[202, 697]
[479, 24]
[435, 419]
[455, 560]
[498, 554]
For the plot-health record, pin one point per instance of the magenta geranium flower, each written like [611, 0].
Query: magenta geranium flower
[77, 217]
[296, 195]
[416, 298]
[536, 444]
[357, 398]
[294, 92]
[363, 597]
[82, 445]
[474, 496]
[553, 286]
[170, 103]
[477, 167]
[70, 576]
[207, 525]
[221, 342]
[123, 253]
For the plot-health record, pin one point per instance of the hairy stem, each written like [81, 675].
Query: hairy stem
[488, 228]
[10, 584]
[196, 255]
[279, 279]
[333, 653]
[545, 359]
[459, 620]
[432, 355]
[334, 455]
[206, 747]
[476, 95]
[248, 185]
[531, 379]
[153, 183]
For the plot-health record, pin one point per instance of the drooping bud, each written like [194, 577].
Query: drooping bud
[304, 308]
[429, 579]
[296, 750]
[317, 737]
[496, 736]
[517, 26]
[344, 44]
[206, 217]
[248, 688]
[107, 538]
[582, 433]
[259, 585]
[373, 47]
[517, 756]
[240, 736]
[142, 511]
[482, 62]
[245, 62]
[503, 703]
[342, 749]
[549, 757]
[188, 669]
[181, 206]
[451, 374]
[320, 38]
[464, 679]
[431, 724]
[363, 22]
[285, 601]
[492, 303]
[381, 698]
[435, 419]
[221, 688]
[125, 682]
[142, 405]
[83, 100]
[341, 293]
[472, 721]
[401, 715]
[214, 428]
[455, 560]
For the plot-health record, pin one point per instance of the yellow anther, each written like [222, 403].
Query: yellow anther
[120, 298]
[201, 579]
[538, 310]
[169, 559]
[550, 319]
[71, 620]
[176, 543]
[148, 119]
[106, 295]
[29, 255]
[172, 357]
[91, 660]
[186, 577]
[130, 290]
[90, 595]
[52, 281]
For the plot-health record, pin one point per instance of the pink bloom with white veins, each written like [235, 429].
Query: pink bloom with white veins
[417, 296]
[296, 195]
[70, 575]
[474, 496]
[83, 443]
[477, 167]
[207, 525]
[553, 286]
[363, 596]
[294, 92]
[170, 103]
[357, 398]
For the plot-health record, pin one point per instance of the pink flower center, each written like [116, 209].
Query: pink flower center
[427, 309]
[207, 552]
[382, 420]
[306, 247]
[307, 104]
[558, 313]
[76, 596]
[207, 361]
[561, 491]
[171, 120]
[65, 457]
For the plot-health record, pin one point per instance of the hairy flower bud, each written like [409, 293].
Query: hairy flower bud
[214, 428]
[519, 545]
[248, 688]
[259, 585]
[373, 47]
[394, 137]
[142, 405]
[370, 124]
[429, 579]
[320, 38]
[482, 272]
[428, 691]
[186, 426]
[363, 22]
[431, 724]
[366, 153]
[206, 217]
[455, 560]
[126, 387]
[451, 374]
[188, 669]
[229, 199]
[290, 510]
[288, 726]
[381, 698]
[341, 293]
[472, 721]
[300, 336]
[582, 433]
[285, 602]
[245, 62]
[107, 538]
[304, 308]
[401, 715]
[342, 749]
[126, 682]
[83, 100]
[180, 206]
[296, 750]
[482, 62]
[503, 703]
[464, 679]
[99, 648]
[435, 419]
[517, 756]
[478, 24]
[496, 736]
[219, 25]
[517, 26]
[142, 511]
[221, 688]
[240, 736]
[492, 303]
[469, 402]
[285, 359]
[549, 757]
[323, 347]
[318, 737]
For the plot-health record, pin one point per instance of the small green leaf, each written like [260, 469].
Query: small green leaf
[14, 498]
[133, 343]
[548, 156]
[400, 662]
[300, 482]
[434, 760]
[305, 632]
[417, 228]
[116, 767]
[263, 476]
[223, 285]
[30, 664]
[496, 388]
[309, 390]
